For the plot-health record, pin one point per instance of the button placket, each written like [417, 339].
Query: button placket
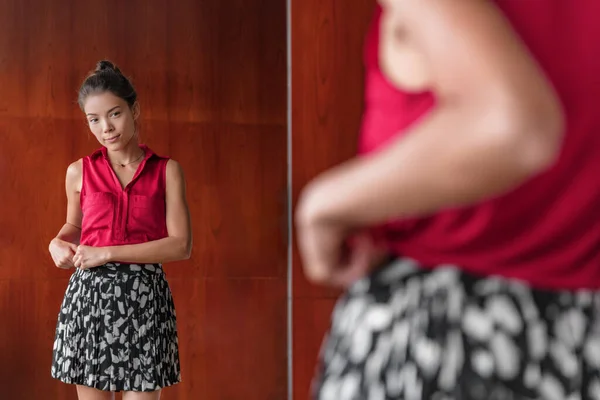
[119, 228]
[124, 211]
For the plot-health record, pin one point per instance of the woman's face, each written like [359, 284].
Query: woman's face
[110, 119]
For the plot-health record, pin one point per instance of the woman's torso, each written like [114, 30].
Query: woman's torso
[547, 231]
[114, 215]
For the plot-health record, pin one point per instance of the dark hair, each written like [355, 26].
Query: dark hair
[107, 78]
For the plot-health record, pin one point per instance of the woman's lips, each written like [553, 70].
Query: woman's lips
[112, 139]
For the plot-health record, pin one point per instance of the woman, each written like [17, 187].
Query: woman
[480, 148]
[126, 215]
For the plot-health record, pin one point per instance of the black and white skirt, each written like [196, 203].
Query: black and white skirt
[117, 330]
[409, 333]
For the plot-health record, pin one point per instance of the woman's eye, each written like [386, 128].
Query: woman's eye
[93, 120]
[116, 113]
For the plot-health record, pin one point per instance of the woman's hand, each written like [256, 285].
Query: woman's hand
[327, 259]
[89, 257]
[330, 253]
[62, 253]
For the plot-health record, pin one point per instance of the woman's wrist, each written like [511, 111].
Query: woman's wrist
[107, 254]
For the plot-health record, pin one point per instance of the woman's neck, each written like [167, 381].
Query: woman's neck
[128, 155]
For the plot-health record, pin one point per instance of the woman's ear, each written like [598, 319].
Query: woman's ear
[135, 109]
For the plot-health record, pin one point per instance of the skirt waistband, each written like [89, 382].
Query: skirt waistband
[115, 269]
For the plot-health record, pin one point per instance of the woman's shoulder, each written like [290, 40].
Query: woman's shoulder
[75, 168]
[174, 170]
[173, 166]
[75, 175]
[171, 163]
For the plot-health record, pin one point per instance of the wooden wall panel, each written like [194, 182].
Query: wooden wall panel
[327, 98]
[211, 76]
[311, 319]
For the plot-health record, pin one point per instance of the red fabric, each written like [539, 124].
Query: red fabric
[114, 216]
[547, 231]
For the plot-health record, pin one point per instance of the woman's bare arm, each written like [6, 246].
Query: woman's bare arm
[71, 230]
[497, 122]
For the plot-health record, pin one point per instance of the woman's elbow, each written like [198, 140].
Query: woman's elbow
[187, 253]
[535, 136]
[543, 146]
[185, 248]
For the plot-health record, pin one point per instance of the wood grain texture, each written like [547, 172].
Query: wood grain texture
[327, 93]
[327, 100]
[211, 80]
[246, 339]
[312, 318]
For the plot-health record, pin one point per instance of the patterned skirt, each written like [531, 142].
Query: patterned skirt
[116, 330]
[409, 333]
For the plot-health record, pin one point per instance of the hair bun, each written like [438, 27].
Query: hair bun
[106, 65]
